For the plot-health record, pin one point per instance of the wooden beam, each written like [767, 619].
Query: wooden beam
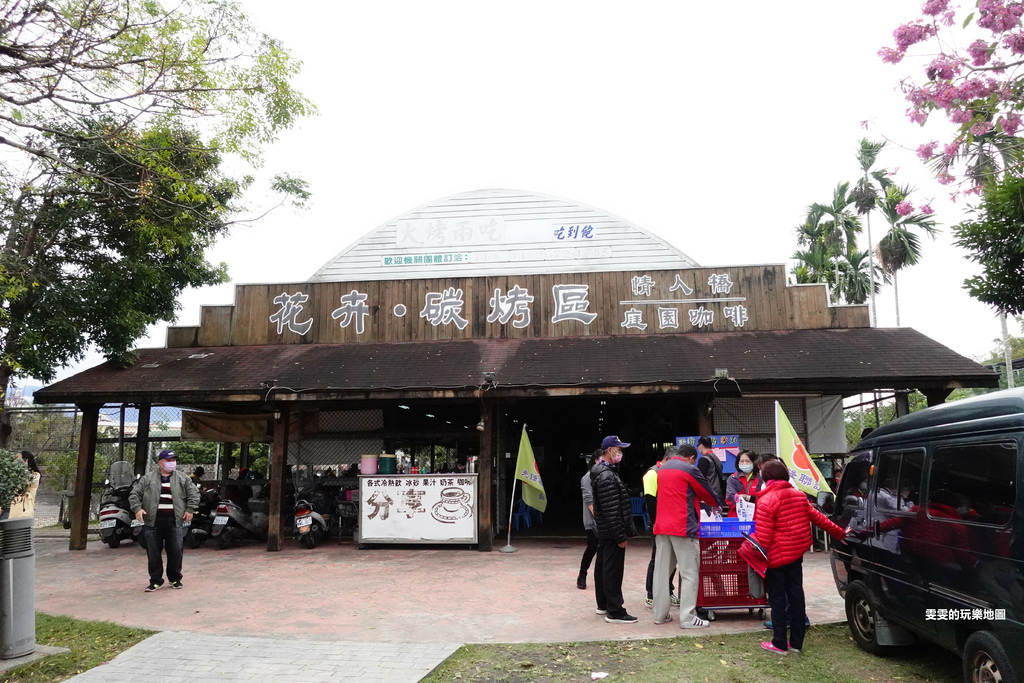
[278, 460]
[902, 403]
[936, 397]
[142, 439]
[80, 504]
[705, 419]
[485, 475]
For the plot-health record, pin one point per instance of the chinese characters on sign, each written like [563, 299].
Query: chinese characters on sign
[418, 509]
[964, 614]
[574, 232]
[571, 303]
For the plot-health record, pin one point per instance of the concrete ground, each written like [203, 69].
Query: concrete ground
[410, 594]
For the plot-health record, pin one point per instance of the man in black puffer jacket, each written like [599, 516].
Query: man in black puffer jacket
[613, 514]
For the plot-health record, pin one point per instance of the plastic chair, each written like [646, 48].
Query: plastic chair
[638, 509]
[536, 516]
[520, 513]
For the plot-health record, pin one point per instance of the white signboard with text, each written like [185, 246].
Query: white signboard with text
[432, 508]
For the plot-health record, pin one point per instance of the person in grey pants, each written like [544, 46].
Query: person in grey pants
[588, 522]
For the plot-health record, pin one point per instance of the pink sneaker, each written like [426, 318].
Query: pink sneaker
[767, 645]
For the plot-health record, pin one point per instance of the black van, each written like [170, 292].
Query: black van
[935, 502]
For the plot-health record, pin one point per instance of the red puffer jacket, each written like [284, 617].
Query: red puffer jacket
[783, 519]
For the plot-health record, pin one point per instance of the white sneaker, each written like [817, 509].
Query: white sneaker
[600, 611]
[696, 622]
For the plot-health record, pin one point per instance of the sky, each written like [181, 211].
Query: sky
[712, 126]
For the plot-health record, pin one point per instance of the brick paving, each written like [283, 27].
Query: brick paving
[184, 657]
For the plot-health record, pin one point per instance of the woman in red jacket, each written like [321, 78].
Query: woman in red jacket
[782, 520]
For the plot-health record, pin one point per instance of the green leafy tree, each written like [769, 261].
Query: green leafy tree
[900, 247]
[196, 452]
[994, 239]
[116, 116]
[14, 478]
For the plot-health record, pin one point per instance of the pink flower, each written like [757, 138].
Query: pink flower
[979, 52]
[934, 7]
[1014, 42]
[917, 116]
[890, 56]
[1011, 123]
[927, 150]
[944, 178]
[961, 115]
[997, 16]
[911, 34]
[949, 18]
[904, 208]
[981, 127]
[950, 149]
[943, 68]
[927, 210]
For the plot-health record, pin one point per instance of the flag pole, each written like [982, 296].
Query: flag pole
[509, 548]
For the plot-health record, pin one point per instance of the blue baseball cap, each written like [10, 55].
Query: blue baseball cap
[167, 455]
[612, 441]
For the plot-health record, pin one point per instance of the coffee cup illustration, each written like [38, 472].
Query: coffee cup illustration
[453, 506]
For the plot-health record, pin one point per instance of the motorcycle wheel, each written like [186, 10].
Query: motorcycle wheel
[114, 541]
[224, 540]
[309, 540]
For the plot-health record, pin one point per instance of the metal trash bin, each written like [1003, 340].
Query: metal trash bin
[17, 588]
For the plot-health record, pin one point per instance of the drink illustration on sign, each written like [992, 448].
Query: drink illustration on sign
[453, 506]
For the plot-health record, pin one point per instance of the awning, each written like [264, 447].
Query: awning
[831, 361]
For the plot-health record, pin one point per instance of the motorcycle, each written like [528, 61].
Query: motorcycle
[117, 523]
[240, 519]
[201, 527]
[313, 512]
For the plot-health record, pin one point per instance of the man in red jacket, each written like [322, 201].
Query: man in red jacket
[782, 522]
[681, 489]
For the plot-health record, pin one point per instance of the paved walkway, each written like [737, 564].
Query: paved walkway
[177, 657]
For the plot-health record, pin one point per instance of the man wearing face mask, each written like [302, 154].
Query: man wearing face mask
[163, 500]
[613, 515]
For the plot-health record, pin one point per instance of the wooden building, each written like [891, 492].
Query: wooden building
[503, 308]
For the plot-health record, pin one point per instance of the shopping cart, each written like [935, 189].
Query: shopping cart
[723, 573]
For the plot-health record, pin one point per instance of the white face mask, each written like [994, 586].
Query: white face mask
[747, 468]
[170, 465]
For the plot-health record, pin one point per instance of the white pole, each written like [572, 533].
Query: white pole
[509, 548]
[1007, 354]
[216, 462]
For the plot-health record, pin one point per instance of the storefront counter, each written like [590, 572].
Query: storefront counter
[418, 508]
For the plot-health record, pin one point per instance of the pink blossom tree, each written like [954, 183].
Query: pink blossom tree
[980, 88]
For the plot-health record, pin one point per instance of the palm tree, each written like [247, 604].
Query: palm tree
[901, 246]
[829, 232]
[855, 276]
[865, 197]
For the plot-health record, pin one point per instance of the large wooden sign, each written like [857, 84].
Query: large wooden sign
[690, 300]
[433, 508]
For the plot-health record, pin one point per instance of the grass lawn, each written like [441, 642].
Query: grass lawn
[91, 644]
[830, 656]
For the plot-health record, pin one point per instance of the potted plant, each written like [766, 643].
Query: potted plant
[14, 479]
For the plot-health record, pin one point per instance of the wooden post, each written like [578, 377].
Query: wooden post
[936, 397]
[243, 454]
[705, 423]
[142, 440]
[227, 462]
[902, 403]
[485, 474]
[278, 460]
[83, 477]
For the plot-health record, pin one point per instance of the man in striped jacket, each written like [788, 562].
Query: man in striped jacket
[163, 500]
[681, 489]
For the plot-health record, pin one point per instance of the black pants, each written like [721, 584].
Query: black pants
[650, 573]
[787, 583]
[165, 534]
[611, 561]
[588, 554]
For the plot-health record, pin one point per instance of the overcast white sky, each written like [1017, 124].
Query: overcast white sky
[712, 126]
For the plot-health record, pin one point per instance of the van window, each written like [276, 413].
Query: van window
[854, 485]
[977, 479]
[899, 480]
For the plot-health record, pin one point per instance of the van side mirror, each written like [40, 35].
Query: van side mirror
[826, 501]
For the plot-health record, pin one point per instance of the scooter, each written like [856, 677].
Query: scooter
[201, 527]
[234, 521]
[313, 508]
[116, 520]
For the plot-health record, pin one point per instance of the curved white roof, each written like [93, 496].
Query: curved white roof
[501, 232]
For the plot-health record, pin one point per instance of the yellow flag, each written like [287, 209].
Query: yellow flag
[527, 472]
[803, 473]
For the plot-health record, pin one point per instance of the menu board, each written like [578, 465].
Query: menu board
[432, 508]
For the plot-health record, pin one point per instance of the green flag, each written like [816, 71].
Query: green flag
[527, 472]
[803, 473]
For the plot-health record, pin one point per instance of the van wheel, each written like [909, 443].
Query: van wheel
[985, 660]
[860, 615]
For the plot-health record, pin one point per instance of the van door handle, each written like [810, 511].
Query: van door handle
[878, 529]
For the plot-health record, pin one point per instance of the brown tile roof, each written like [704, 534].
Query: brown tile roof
[829, 360]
